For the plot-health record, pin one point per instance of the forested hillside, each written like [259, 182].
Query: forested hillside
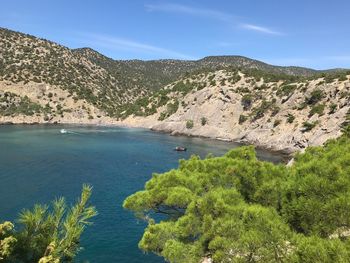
[25, 59]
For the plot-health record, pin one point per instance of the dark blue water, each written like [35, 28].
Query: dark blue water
[38, 163]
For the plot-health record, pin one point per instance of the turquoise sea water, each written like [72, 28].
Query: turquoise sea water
[38, 163]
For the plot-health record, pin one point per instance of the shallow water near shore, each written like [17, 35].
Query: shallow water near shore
[38, 163]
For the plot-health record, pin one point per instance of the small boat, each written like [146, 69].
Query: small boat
[63, 131]
[180, 149]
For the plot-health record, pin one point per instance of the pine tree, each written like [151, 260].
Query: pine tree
[48, 234]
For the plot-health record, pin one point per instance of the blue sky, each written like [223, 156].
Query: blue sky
[307, 33]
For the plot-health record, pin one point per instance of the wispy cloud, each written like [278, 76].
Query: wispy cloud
[260, 29]
[232, 20]
[116, 43]
[195, 11]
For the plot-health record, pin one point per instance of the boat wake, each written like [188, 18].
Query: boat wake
[89, 131]
[64, 131]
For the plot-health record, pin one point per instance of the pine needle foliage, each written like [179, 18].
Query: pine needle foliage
[51, 234]
[236, 208]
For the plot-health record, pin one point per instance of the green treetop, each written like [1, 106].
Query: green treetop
[236, 208]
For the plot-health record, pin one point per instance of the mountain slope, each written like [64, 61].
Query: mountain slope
[227, 97]
[26, 59]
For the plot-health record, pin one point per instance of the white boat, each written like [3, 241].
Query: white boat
[63, 131]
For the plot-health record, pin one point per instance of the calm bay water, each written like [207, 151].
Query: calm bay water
[38, 163]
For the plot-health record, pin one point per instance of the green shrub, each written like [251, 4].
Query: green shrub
[204, 121]
[211, 77]
[59, 107]
[317, 109]
[315, 96]
[331, 77]
[241, 90]
[346, 123]
[182, 87]
[276, 123]
[259, 111]
[242, 119]
[286, 90]
[16, 105]
[261, 87]
[171, 109]
[343, 78]
[274, 110]
[333, 108]
[247, 101]
[290, 118]
[344, 94]
[189, 124]
[308, 126]
[235, 78]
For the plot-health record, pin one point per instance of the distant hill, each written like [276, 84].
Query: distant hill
[154, 74]
[244, 62]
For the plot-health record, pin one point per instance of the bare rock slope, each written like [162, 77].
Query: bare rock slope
[281, 115]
